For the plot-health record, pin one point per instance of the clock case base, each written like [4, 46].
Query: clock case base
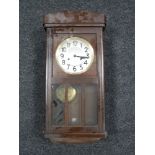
[76, 138]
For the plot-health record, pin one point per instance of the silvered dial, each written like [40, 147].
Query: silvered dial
[74, 55]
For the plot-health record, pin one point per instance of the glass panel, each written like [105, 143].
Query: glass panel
[58, 104]
[74, 104]
[90, 104]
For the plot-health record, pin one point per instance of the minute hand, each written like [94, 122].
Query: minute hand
[81, 57]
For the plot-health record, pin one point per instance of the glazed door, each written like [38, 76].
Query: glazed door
[74, 105]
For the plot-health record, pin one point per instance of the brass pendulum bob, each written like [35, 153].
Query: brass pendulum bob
[60, 93]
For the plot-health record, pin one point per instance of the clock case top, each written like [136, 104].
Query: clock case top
[74, 18]
[90, 26]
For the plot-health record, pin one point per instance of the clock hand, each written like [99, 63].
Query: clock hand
[81, 57]
[84, 58]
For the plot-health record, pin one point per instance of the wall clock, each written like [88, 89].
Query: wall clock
[75, 110]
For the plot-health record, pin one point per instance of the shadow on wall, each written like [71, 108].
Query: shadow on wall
[39, 50]
[110, 81]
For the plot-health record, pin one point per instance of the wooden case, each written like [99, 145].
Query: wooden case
[89, 107]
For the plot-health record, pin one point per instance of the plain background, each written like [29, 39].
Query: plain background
[119, 77]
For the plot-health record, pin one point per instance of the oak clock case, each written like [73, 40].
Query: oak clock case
[75, 110]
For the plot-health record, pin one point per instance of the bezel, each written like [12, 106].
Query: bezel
[61, 45]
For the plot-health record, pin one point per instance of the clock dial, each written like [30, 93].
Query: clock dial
[74, 55]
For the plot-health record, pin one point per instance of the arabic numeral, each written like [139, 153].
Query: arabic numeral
[86, 62]
[68, 44]
[68, 65]
[63, 62]
[74, 69]
[81, 68]
[75, 43]
[64, 49]
[81, 45]
[62, 55]
[86, 49]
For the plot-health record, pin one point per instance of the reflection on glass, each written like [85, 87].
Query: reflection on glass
[90, 105]
[74, 108]
[57, 108]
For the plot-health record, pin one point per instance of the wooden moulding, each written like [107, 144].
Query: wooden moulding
[74, 18]
[75, 138]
